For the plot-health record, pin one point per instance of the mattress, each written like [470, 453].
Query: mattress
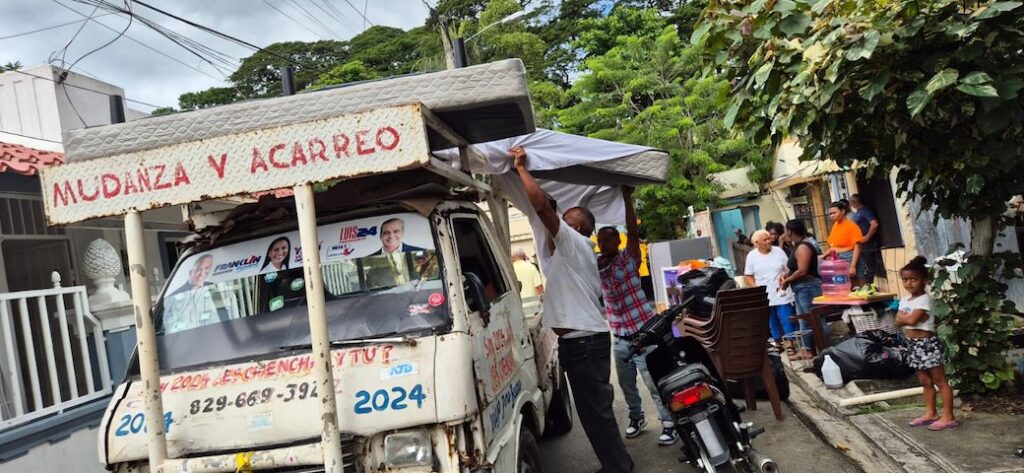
[482, 103]
[648, 167]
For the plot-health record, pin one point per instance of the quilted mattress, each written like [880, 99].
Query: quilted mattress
[483, 103]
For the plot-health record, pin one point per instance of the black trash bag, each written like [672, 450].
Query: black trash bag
[781, 381]
[874, 354]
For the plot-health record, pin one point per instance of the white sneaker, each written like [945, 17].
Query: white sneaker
[668, 434]
[636, 427]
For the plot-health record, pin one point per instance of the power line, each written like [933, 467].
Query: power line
[168, 56]
[334, 13]
[205, 53]
[297, 22]
[366, 4]
[128, 4]
[48, 28]
[225, 36]
[49, 79]
[313, 18]
[360, 13]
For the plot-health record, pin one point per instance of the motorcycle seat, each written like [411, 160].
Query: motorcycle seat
[683, 377]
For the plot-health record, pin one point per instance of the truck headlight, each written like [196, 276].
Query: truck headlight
[408, 448]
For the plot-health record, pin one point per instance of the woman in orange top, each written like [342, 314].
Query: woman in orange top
[845, 236]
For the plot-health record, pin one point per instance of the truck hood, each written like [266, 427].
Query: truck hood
[259, 404]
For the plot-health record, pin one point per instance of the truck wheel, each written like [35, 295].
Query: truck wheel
[529, 452]
[559, 417]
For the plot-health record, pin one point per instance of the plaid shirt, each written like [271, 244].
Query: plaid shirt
[624, 298]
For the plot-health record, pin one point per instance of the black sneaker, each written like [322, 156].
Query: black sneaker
[668, 436]
[636, 427]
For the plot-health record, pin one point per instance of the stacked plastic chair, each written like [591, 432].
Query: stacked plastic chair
[736, 335]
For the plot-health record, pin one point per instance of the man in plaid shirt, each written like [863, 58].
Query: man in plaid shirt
[627, 309]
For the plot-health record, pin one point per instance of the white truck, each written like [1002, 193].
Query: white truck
[373, 325]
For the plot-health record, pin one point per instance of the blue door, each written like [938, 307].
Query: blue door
[726, 222]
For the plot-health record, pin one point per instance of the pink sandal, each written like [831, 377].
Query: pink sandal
[937, 426]
[919, 422]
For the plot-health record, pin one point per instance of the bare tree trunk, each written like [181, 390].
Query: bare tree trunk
[983, 236]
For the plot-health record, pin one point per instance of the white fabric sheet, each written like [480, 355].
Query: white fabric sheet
[548, 151]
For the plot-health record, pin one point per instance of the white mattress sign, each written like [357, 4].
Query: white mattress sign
[382, 140]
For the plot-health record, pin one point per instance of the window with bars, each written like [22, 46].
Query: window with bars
[24, 216]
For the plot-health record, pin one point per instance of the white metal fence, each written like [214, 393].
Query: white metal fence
[52, 353]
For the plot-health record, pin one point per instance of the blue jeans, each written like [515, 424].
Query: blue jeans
[778, 320]
[805, 291]
[627, 369]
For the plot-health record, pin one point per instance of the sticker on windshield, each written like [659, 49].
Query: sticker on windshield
[398, 371]
[383, 235]
[297, 284]
[276, 303]
[436, 299]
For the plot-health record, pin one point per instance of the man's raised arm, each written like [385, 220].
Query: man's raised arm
[632, 229]
[538, 200]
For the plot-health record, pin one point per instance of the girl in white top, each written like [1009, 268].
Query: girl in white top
[927, 352]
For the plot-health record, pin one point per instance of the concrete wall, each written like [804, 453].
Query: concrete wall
[38, 110]
[77, 453]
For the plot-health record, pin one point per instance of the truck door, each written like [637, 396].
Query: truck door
[501, 344]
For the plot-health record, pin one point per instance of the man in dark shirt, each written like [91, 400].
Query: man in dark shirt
[870, 264]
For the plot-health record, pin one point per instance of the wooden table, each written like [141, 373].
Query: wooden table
[830, 310]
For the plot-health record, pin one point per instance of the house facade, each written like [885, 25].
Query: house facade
[65, 322]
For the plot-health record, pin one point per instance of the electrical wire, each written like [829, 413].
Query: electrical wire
[297, 22]
[313, 18]
[64, 51]
[366, 4]
[48, 79]
[225, 36]
[48, 28]
[360, 13]
[217, 59]
[168, 56]
[128, 5]
[335, 14]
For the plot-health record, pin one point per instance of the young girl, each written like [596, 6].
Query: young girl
[927, 353]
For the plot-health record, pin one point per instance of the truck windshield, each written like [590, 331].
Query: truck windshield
[381, 277]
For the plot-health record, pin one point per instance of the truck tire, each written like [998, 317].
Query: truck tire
[559, 417]
[529, 452]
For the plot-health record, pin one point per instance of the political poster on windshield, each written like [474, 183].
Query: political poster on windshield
[349, 240]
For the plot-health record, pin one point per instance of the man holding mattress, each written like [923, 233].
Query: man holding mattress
[572, 309]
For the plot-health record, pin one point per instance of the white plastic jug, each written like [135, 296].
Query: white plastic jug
[830, 374]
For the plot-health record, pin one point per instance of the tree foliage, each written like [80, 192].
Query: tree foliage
[929, 88]
[259, 75]
[352, 71]
[10, 66]
[647, 89]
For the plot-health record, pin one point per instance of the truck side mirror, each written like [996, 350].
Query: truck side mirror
[476, 297]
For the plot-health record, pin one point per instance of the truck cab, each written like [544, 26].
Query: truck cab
[435, 366]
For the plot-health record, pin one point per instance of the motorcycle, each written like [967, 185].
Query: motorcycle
[714, 438]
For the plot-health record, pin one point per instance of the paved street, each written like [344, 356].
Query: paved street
[789, 443]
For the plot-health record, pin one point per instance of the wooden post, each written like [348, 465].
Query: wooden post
[319, 336]
[145, 331]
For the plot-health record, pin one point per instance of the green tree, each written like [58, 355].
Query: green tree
[259, 75]
[352, 71]
[391, 51]
[11, 66]
[647, 89]
[159, 111]
[929, 88]
[208, 98]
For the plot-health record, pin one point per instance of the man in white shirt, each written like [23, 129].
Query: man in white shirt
[527, 275]
[572, 309]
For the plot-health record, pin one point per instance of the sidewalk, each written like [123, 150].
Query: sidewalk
[877, 436]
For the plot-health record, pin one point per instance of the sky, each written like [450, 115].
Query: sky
[152, 78]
